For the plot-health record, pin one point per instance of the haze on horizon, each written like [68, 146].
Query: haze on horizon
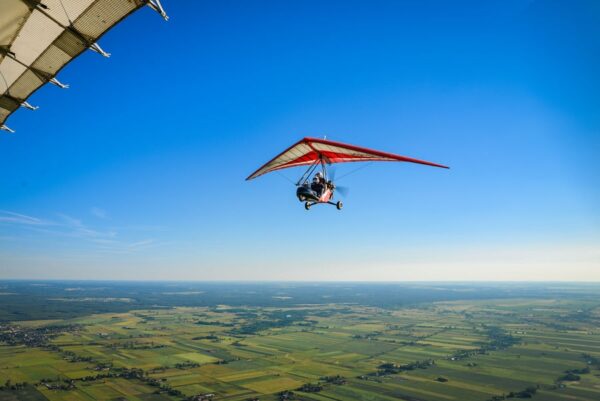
[137, 171]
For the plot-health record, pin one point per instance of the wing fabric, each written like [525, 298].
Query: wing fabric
[39, 37]
[311, 150]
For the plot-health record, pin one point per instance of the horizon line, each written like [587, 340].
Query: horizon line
[299, 281]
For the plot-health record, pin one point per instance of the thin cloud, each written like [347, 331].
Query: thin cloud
[79, 229]
[99, 213]
[7, 217]
[117, 247]
[142, 244]
[103, 239]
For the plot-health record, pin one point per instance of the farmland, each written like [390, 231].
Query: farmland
[545, 348]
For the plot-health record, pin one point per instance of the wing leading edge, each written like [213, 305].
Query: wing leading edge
[310, 150]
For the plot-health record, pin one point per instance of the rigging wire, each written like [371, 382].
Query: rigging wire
[65, 10]
[4, 79]
[355, 170]
[284, 176]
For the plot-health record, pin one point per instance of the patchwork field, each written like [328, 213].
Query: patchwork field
[461, 350]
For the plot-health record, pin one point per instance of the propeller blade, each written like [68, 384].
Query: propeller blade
[343, 190]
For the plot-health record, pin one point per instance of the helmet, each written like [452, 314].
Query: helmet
[319, 175]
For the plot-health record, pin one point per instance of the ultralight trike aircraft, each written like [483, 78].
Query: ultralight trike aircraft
[317, 154]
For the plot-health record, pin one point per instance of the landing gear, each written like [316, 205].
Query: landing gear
[307, 205]
[339, 205]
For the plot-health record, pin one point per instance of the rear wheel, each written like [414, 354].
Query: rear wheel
[339, 205]
[307, 205]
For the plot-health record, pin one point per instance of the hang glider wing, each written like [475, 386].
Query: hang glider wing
[308, 151]
[39, 37]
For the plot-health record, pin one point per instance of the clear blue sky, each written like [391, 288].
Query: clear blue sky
[137, 171]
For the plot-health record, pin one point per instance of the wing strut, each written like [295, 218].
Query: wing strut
[308, 172]
[156, 6]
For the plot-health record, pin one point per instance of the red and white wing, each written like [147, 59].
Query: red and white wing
[310, 150]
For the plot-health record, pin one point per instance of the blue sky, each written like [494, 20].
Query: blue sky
[137, 171]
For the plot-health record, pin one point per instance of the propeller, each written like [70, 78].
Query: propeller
[342, 190]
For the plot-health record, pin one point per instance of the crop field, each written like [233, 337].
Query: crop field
[473, 350]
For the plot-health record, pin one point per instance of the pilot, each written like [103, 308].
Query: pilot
[318, 184]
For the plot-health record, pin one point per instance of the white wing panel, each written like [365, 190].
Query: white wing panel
[13, 14]
[66, 11]
[37, 34]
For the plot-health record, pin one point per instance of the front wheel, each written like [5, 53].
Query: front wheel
[339, 205]
[307, 205]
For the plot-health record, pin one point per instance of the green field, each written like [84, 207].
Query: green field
[462, 350]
